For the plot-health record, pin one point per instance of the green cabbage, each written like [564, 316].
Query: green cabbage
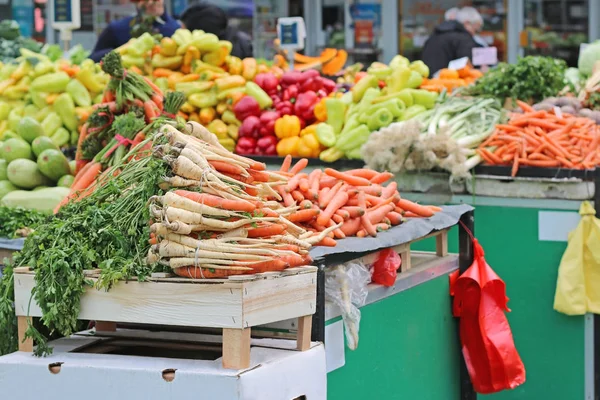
[588, 57]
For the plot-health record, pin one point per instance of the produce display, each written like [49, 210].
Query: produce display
[11, 41]
[543, 139]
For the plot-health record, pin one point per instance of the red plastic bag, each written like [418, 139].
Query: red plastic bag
[487, 343]
[384, 269]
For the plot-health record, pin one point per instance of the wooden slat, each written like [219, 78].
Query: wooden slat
[22, 325]
[304, 332]
[236, 348]
[441, 244]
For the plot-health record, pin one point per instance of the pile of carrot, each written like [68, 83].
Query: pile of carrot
[543, 139]
[352, 203]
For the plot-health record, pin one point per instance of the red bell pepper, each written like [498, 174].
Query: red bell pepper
[250, 127]
[328, 85]
[267, 81]
[245, 146]
[311, 84]
[267, 145]
[292, 78]
[284, 107]
[267, 122]
[305, 105]
[247, 106]
[290, 93]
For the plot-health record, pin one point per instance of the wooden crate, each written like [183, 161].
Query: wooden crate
[236, 305]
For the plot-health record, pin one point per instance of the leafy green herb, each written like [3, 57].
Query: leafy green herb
[14, 219]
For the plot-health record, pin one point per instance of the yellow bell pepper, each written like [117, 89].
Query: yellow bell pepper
[232, 131]
[321, 111]
[309, 146]
[90, 80]
[204, 99]
[207, 114]
[234, 65]
[160, 61]
[168, 47]
[288, 146]
[228, 143]
[219, 128]
[187, 108]
[287, 126]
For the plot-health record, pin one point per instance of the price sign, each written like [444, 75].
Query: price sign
[66, 14]
[459, 63]
[291, 32]
[485, 56]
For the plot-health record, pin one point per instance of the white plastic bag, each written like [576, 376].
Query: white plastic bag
[346, 286]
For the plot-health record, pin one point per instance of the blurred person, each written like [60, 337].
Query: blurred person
[452, 40]
[213, 19]
[151, 17]
[450, 15]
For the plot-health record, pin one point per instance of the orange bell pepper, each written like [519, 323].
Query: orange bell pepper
[287, 126]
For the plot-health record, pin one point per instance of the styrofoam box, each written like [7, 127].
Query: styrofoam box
[277, 372]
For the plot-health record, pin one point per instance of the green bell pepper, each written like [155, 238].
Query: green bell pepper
[355, 153]
[189, 88]
[51, 83]
[399, 61]
[14, 117]
[353, 138]
[326, 134]
[370, 95]
[43, 68]
[394, 106]
[61, 137]
[412, 112]
[74, 137]
[336, 111]
[263, 99]
[351, 123]
[331, 155]
[415, 80]
[79, 93]
[398, 80]
[361, 87]
[37, 98]
[43, 113]
[4, 110]
[382, 118]
[380, 73]
[65, 108]
[403, 95]
[424, 97]
[204, 99]
[51, 123]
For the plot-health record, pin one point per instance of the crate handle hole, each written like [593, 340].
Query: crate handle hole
[54, 368]
[169, 374]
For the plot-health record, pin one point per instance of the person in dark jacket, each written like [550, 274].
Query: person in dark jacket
[452, 40]
[213, 19]
[151, 17]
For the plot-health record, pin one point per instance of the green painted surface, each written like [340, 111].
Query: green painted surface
[551, 344]
[407, 349]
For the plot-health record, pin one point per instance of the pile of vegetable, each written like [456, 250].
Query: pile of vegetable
[567, 104]
[531, 78]
[11, 41]
[543, 139]
[450, 79]
[330, 62]
[19, 222]
[442, 138]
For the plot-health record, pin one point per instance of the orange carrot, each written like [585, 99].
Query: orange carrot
[326, 198]
[524, 106]
[367, 225]
[294, 182]
[352, 180]
[363, 173]
[351, 226]
[300, 165]
[337, 218]
[287, 162]
[259, 176]
[390, 190]
[298, 196]
[354, 211]
[373, 190]
[343, 213]
[340, 198]
[394, 217]
[305, 204]
[225, 167]
[266, 231]
[418, 209]
[328, 242]
[382, 177]
[85, 181]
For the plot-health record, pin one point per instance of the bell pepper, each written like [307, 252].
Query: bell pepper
[267, 145]
[288, 146]
[399, 61]
[246, 107]
[367, 101]
[205, 99]
[160, 61]
[245, 146]
[168, 47]
[193, 116]
[222, 107]
[336, 112]
[22, 70]
[291, 78]
[234, 65]
[229, 93]
[394, 106]
[331, 155]
[90, 79]
[218, 127]
[415, 80]
[43, 113]
[14, 117]
[229, 118]
[218, 56]
[200, 66]
[263, 99]
[361, 87]
[412, 112]
[4, 110]
[187, 108]
[30, 110]
[51, 83]
[206, 42]
[287, 126]
[129, 61]
[189, 88]
[420, 67]
[228, 143]
[404, 95]
[320, 110]
[65, 108]
[249, 68]
[290, 93]
[61, 137]
[267, 122]
[309, 145]
[268, 82]
[43, 68]
[250, 127]
[312, 84]
[355, 137]
[51, 123]
[284, 107]
[229, 82]
[233, 131]
[325, 134]
[379, 70]
[191, 54]
[380, 119]
[328, 85]
[206, 115]
[182, 36]
[79, 93]
[355, 153]
[424, 97]
[305, 105]
[398, 80]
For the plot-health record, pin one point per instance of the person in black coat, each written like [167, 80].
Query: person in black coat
[151, 17]
[213, 19]
[452, 40]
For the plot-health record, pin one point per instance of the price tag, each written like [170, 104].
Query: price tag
[291, 32]
[558, 112]
[66, 14]
[485, 56]
[459, 63]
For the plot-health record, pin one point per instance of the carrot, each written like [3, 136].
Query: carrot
[327, 181]
[287, 162]
[394, 217]
[382, 177]
[155, 88]
[337, 218]
[162, 72]
[367, 225]
[85, 181]
[363, 173]
[351, 226]
[539, 163]
[327, 197]
[361, 233]
[410, 214]
[377, 215]
[340, 198]
[288, 200]
[306, 204]
[158, 100]
[382, 226]
[328, 242]
[294, 182]
[300, 165]
[225, 167]
[418, 209]
[352, 180]
[354, 211]
[216, 201]
[259, 176]
[303, 184]
[390, 190]
[266, 231]
[373, 190]
[524, 106]
[298, 196]
[269, 266]
[343, 213]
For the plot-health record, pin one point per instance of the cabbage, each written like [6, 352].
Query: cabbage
[588, 57]
[574, 78]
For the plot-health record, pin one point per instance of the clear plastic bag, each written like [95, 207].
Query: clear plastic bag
[346, 286]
